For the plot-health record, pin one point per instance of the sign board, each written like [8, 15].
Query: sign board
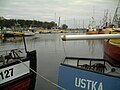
[13, 72]
[72, 78]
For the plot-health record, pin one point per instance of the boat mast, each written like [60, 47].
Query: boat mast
[83, 24]
[105, 19]
[116, 18]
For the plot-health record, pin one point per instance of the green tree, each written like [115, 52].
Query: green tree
[27, 23]
[64, 26]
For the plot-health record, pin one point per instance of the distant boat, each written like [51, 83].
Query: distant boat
[8, 34]
[15, 31]
[15, 73]
[36, 32]
[91, 30]
[12, 39]
[18, 33]
[28, 33]
[95, 32]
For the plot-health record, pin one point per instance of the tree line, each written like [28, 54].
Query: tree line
[9, 23]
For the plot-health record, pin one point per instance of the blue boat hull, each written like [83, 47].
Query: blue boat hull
[73, 78]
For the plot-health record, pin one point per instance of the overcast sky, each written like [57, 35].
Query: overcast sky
[71, 12]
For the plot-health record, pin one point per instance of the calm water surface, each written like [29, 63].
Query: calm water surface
[51, 51]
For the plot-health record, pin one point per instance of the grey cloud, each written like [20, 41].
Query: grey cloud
[45, 9]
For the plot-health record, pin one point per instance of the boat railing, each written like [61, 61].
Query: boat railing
[90, 59]
[9, 56]
[92, 64]
[99, 65]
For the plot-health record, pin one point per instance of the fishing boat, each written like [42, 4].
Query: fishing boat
[15, 31]
[16, 69]
[112, 46]
[18, 33]
[12, 39]
[91, 30]
[8, 34]
[81, 73]
[94, 32]
[88, 74]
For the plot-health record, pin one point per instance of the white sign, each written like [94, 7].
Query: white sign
[13, 72]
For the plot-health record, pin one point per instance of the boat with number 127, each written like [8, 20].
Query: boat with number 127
[16, 67]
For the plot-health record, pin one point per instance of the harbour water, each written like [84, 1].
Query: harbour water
[51, 51]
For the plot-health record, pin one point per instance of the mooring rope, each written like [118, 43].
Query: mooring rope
[20, 60]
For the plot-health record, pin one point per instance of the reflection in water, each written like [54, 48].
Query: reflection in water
[50, 53]
[11, 43]
[94, 44]
[91, 44]
[11, 39]
[84, 48]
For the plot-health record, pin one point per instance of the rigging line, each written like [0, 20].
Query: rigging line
[64, 49]
[20, 60]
